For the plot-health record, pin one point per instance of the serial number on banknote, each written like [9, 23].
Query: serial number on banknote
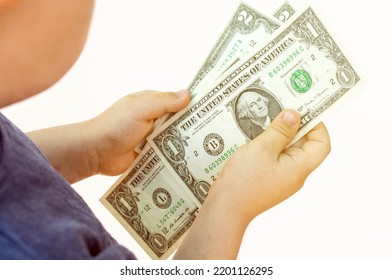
[165, 218]
[286, 62]
[220, 160]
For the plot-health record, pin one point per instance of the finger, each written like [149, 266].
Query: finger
[317, 146]
[154, 104]
[280, 133]
[300, 142]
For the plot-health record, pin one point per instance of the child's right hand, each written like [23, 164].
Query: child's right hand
[258, 176]
[265, 172]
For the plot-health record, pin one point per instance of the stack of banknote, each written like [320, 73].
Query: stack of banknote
[259, 66]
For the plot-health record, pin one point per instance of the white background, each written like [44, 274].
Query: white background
[344, 210]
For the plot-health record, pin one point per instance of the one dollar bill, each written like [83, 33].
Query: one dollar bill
[301, 68]
[152, 205]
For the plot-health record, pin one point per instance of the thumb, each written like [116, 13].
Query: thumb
[155, 103]
[280, 132]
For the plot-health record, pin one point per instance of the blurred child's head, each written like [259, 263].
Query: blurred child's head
[39, 43]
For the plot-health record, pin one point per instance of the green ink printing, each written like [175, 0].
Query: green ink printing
[301, 81]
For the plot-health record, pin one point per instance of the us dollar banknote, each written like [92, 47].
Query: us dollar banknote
[301, 68]
[152, 205]
[245, 29]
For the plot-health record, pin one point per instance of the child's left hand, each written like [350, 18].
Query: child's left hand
[116, 132]
[106, 143]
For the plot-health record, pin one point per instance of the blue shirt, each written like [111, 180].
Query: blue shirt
[41, 216]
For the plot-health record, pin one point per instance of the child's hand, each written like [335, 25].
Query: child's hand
[271, 172]
[258, 176]
[116, 132]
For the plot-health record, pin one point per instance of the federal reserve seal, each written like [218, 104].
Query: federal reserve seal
[213, 144]
[161, 198]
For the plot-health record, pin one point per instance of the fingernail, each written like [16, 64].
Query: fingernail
[182, 93]
[290, 117]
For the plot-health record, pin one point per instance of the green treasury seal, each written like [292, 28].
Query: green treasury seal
[301, 81]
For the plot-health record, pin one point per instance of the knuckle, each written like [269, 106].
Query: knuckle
[283, 130]
[164, 95]
[166, 99]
